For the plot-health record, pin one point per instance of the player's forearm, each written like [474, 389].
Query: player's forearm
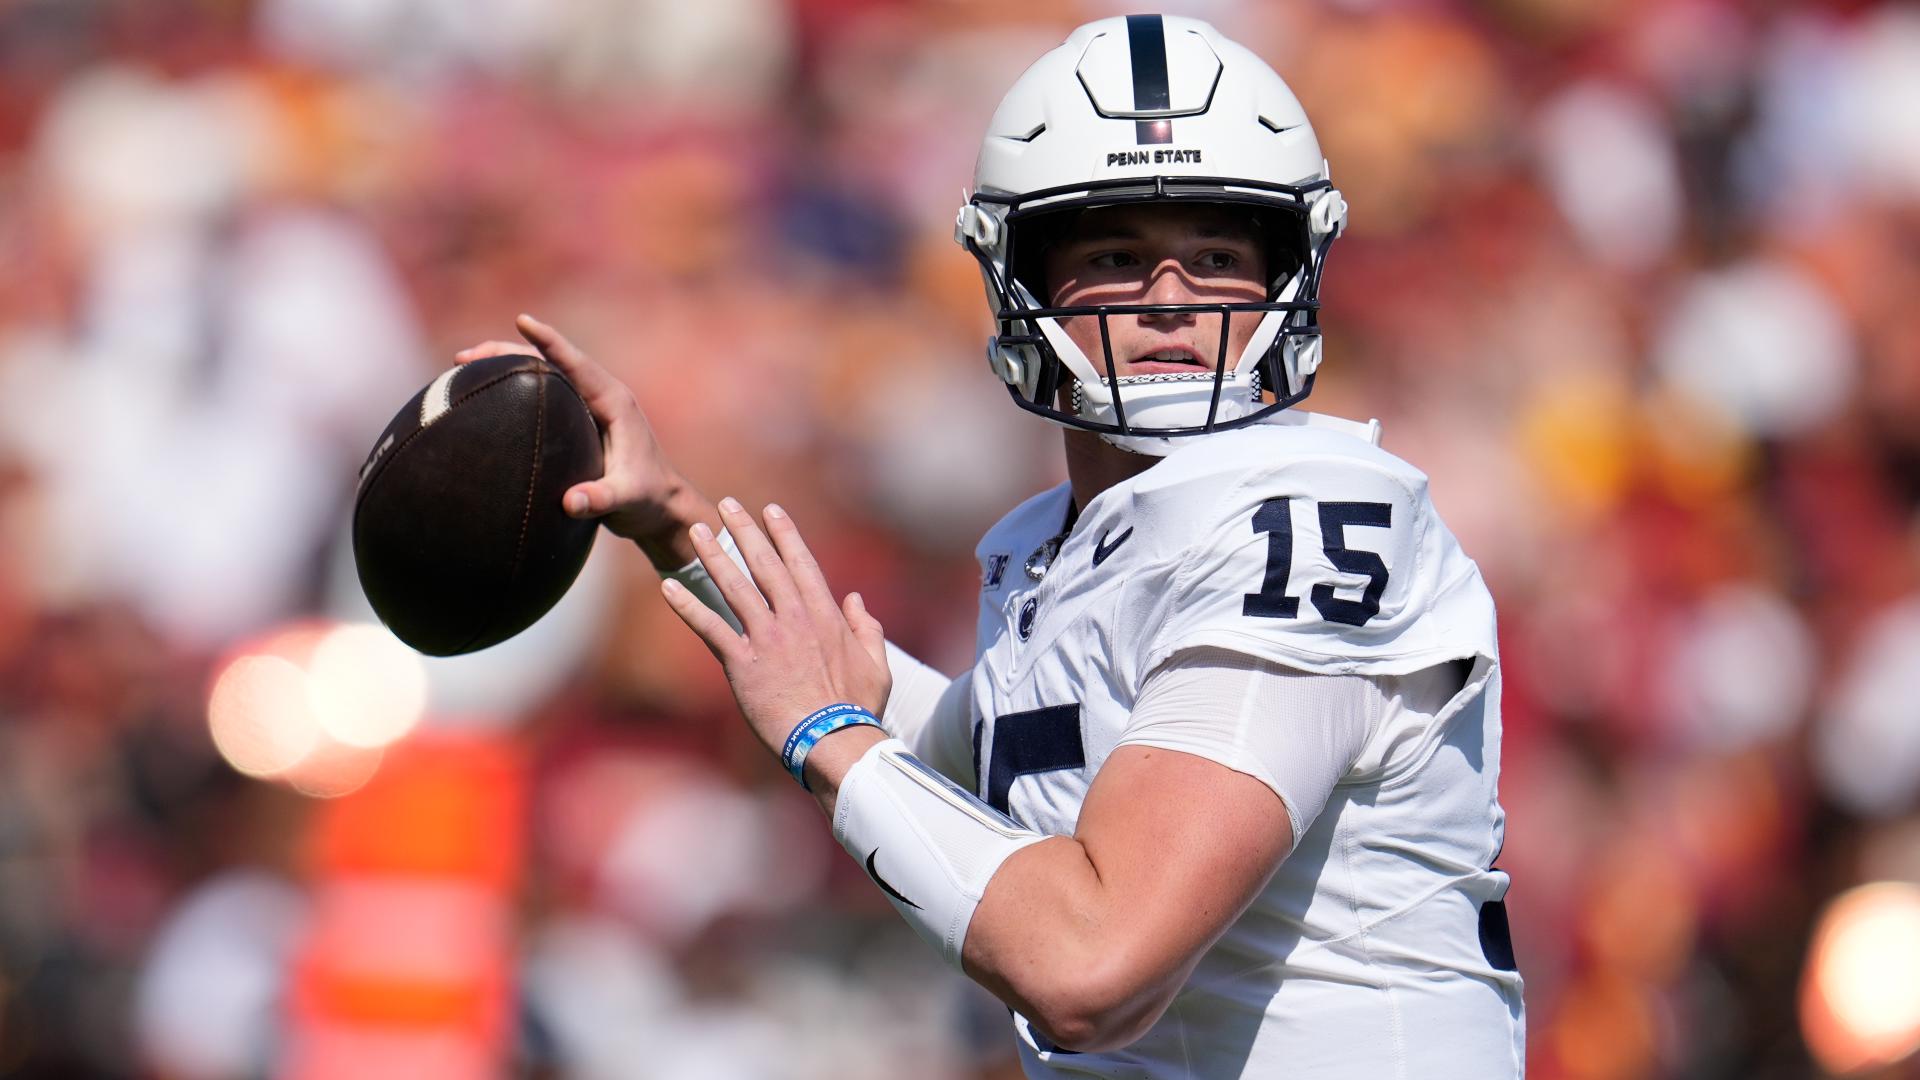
[1049, 937]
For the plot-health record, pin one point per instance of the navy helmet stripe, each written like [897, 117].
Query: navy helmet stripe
[1147, 40]
[1147, 46]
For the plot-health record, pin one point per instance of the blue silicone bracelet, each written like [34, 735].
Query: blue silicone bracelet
[815, 727]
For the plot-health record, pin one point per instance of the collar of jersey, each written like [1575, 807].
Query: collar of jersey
[1370, 431]
[1059, 506]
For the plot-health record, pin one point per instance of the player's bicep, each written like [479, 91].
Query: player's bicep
[1298, 733]
[1188, 843]
[1091, 938]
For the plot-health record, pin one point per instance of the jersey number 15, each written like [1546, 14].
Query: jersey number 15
[1275, 518]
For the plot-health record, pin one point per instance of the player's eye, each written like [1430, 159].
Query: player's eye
[1219, 262]
[1113, 260]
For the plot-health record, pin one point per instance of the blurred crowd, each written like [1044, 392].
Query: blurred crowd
[1635, 281]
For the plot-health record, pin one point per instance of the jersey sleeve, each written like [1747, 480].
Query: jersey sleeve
[1330, 564]
[1296, 733]
[931, 713]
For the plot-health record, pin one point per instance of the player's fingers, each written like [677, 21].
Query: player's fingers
[866, 629]
[490, 348]
[552, 342]
[808, 581]
[632, 454]
[605, 395]
[763, 561]
[701, 619]
[588, 500]
[745, 600]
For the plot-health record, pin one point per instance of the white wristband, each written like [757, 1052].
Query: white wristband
[697, 581]
[928, 843]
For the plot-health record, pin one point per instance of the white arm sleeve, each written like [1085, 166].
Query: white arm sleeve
[932, 714]
[929, 844]
[1297, 732]
[696, 580]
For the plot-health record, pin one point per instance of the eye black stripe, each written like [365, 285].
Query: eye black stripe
[1147, 48]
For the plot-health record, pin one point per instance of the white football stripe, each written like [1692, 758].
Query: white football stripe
[439, 397]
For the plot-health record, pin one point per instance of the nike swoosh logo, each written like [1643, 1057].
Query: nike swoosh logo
[1103, 549]
[882, 882]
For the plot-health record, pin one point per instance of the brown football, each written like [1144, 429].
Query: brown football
[458, 532]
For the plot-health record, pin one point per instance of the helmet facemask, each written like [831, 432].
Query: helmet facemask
[1047, 373]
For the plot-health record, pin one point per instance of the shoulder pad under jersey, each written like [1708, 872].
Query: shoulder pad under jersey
[1309, 546]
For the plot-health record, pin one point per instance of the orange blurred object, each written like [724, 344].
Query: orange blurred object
[442, 805]
[409, 956]
[1605, 1030]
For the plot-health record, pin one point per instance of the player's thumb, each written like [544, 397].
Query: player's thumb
[586, 500]
[866, 629]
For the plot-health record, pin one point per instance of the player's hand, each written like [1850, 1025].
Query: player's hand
[641, 496]
[801, 651]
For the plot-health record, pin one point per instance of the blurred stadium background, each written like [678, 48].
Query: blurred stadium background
[1637, 282]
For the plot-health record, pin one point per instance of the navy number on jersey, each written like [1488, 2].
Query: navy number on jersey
[1275, 519]
[1034, 741]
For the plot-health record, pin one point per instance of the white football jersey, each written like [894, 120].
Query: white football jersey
[1379, 948]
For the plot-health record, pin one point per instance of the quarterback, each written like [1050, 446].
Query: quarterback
[1217, 797]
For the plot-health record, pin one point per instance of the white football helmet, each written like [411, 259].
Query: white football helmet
[1141, 109]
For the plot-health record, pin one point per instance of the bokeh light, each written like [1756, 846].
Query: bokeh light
[332, 769]
[1860, 1000]
[314, 704]
[259, 715]
[366, 689]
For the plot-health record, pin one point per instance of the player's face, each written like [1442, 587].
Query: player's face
[1161, 254]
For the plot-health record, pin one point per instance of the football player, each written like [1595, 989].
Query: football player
[1217, 797]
